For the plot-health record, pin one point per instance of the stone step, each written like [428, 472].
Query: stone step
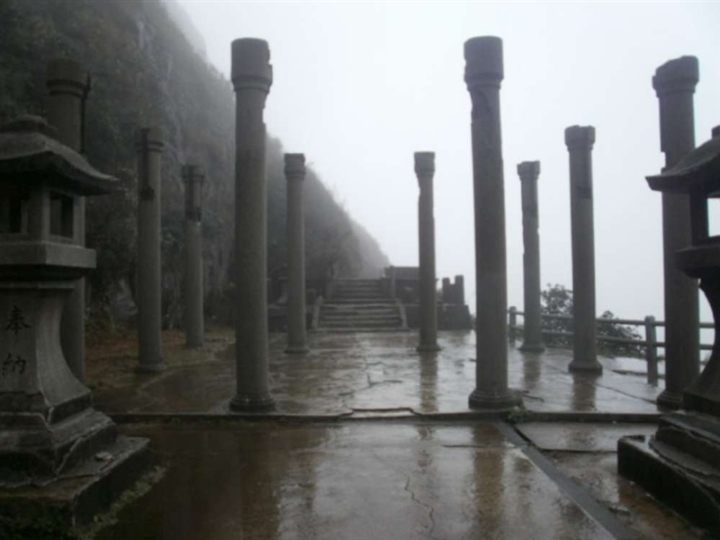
[385, 319]
[352, 309]
[377, 301]
[359, 324]
[359, 330]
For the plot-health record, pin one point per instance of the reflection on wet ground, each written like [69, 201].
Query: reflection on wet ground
[360, 373]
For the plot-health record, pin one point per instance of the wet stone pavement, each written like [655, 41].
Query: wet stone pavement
[373, 441]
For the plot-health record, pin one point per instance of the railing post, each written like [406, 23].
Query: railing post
[651, 349]
[513, 324]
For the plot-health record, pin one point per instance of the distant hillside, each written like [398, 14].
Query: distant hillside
[144, 72]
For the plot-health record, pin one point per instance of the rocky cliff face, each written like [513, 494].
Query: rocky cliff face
[146, 72]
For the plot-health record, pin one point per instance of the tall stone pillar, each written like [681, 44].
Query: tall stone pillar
[251, 77]
[194, 293]
[295, 174]
[148, 292]
[579, 141]
[483, 75]
[674, 83]
[425, 169]
[68, 85]
[532, 328]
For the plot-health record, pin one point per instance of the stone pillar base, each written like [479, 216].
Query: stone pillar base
[577, 366]
[494, 402]
[670, 400]
[252, 403]
[531, 348]
[679, 465]
[150, 368]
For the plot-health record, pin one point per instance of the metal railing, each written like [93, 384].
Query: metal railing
[650, 342]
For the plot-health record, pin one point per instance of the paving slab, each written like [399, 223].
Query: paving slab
[348, 481]
[580, 437]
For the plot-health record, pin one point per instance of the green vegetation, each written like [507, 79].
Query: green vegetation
[145, 72]
[557, 300]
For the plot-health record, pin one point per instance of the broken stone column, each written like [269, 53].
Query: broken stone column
[425, 169]
[459, 287]
[295, 174]
[49, 430]
[251, 77]
[148, 291]
[68, 85]
[532, 328]
[674, 82]
[579, 141]
[194, 293]
[483, 75]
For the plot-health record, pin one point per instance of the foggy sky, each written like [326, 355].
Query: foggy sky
[361, 86]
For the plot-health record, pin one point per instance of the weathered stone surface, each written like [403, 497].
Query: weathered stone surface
[194, 316]
[674, 83]
[295, 174]
[425, 170]
[68, 85]
[532, 331]
[483, 75]
[579, 141]
[251, 77]
[148, 293]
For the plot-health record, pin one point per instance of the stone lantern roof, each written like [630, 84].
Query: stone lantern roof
[30, 153]
[698, 171]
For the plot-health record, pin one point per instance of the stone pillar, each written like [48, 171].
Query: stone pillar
[447, 291]
[68, 85]
[251, 77]
[579, 141]
[148, 291]
[295, 174]
[674, 82]
[424, 170]
[532, 328]
[459, 287]
[194, 282]
[483, 75]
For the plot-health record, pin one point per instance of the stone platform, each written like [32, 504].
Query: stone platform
[370, 440]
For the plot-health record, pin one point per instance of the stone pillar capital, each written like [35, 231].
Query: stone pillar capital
[676, 76]
[251, 69]
[528, 170]
[483, 62]
[149, 140]
[295, 166]
[67, 77]
[424, 164]
[580, 138]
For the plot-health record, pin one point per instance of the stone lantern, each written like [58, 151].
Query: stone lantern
[680, 464]
[48, 427]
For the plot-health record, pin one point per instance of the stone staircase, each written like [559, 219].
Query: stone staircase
[359, 305]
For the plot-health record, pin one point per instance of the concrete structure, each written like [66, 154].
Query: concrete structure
[148, 288]
[295, 174]
[532, 331]
[68, 85]
[483, 75]
[425, 169]
[49, 429]
[194, 282]
[251, 76]
[579, 141]
[674, 82]
[680, 464]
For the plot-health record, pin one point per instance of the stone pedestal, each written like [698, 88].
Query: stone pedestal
[295, 174]
[532, 328]
[194, 317]
[49, 432]
[483, 75]
[425, 169]
[148, 288]
[579, 141]
[251, 77]
[674, 83]
[680, 464]
[68, 85]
